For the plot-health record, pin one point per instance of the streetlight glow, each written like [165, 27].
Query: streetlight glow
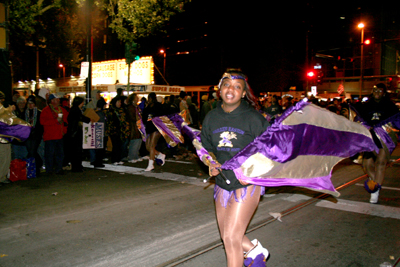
[361, 25]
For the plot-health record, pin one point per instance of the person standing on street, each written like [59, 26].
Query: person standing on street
[227, 129]
[32, 115]
[117, 128]
[75, 133]
[54, 121]
[152, 110]
[377, 109]
[5, 147]
[135, 140]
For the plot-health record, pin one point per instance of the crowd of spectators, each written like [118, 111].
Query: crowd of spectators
[55, 141]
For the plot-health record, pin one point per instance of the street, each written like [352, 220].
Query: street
[121, 216]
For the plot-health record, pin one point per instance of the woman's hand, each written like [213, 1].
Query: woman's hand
[242, 182]
[212, 169]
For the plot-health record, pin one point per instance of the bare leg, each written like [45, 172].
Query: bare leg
[369, 167]
[376, 169]
[151, 144]
[380, 166]
[233, 221]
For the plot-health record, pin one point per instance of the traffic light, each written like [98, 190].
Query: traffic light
[131, 52]
[311, 74]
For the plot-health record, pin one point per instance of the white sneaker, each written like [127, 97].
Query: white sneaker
[374, 197]
[139, 159]
[256, 250]
[161, 157]
[150, 167]
[132, 161]
[145, 157]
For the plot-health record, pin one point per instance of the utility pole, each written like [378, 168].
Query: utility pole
[89, 5]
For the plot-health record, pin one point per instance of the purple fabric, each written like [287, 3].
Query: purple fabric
[283, 143]
[142, 128]
[257, 262]
[395, 121]
[387, 140]
[315, 183]
[226, 195]
[20, 132]
[160, 125]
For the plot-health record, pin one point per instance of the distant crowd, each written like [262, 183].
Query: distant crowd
[56, 137]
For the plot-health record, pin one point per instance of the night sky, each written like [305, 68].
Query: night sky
[266, 40]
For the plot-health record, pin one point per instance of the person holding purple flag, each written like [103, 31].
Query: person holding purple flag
[376, 113]
[227, 129]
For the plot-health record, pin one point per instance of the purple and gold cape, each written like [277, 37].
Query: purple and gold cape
[300, 148]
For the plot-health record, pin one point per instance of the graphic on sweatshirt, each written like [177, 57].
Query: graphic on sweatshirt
[376, 116]
[226, 139]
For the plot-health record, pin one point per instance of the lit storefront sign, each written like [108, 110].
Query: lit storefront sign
[111, 72]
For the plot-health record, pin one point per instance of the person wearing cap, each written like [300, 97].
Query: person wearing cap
[54, 121]
[32, 115]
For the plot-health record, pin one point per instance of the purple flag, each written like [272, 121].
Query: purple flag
[299, 149]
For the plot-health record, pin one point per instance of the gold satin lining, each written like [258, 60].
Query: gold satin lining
[321, 117]
[302, 167]
[9, 118]
[173, 130]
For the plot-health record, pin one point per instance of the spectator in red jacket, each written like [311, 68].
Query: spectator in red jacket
[54, 121]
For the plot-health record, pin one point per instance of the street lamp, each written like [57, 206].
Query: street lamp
[63, 67]
[361, 26]
[162, 51]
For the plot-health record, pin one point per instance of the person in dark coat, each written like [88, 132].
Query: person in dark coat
[75, 133]
[118, 129]
[32, 115]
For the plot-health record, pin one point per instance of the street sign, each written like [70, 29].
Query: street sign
[84, 69]
[314, 90]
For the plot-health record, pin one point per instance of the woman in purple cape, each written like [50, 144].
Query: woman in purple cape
[227, 129]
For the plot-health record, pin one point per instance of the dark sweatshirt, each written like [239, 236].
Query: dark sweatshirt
[225, 134]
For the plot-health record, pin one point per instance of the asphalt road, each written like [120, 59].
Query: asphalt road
[122, 216]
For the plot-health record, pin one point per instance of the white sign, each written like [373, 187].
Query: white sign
[84, 69]
[109, 72]
[93, 135]
[164, 89]
[314, 90]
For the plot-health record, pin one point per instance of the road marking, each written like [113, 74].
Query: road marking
[384, 187]
[159, 175]
[362, 208]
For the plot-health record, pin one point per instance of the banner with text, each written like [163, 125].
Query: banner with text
[93, 135]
